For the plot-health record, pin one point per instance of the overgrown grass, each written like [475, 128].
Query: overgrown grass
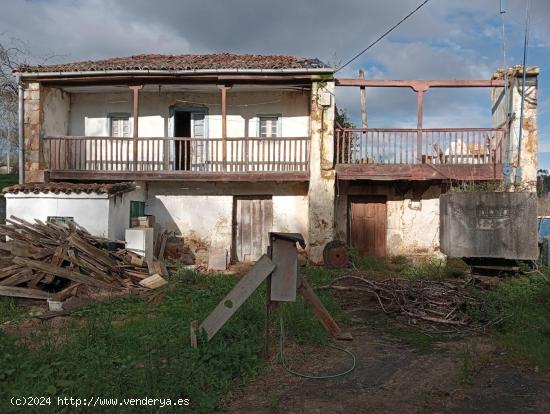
[7, 180]
[133, 348]
[523, 304]
[435, 269]
[9, 310]
[472, 362]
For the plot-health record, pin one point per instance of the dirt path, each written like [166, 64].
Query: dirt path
[392, 377]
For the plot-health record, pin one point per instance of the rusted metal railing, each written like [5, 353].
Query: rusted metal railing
[425, 146]
[71, 153]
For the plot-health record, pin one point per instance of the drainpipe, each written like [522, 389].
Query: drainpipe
[20, 124]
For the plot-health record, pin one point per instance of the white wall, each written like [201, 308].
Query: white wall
[56, 105]
[203, 212]
[89, 111]
[89, 210]
[100, 214]
[119, 211]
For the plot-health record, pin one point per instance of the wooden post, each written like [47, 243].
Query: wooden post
[223, 89]
[363, 93]
[135, 89]
[321, 312]
[420, 104]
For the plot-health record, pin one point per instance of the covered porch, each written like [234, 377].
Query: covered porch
[420, 153]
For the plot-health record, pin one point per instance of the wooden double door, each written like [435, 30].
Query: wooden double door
[252, 222]
[367, 225]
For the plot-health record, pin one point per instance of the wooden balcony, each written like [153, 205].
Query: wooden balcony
[190, 159]
[420, 154]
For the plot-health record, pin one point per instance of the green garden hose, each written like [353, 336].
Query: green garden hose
[310, 376]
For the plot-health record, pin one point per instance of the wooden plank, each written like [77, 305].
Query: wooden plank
[180, 175]
[10, 270]
[324, 316]
[18, 278]
[153, 282]
[285, 276]
[17, 292]
[62, 272]
[420, 172]
[98, 254]
[238, 295]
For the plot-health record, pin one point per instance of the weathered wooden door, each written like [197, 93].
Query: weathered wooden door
[368, 218]
[253, 220]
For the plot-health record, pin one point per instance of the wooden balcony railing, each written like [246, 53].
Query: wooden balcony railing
[444, 146]
[177, 155]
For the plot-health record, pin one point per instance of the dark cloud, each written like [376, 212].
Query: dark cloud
[445, 39]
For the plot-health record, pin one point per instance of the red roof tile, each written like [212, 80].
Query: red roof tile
[68, 188]
[183, 62]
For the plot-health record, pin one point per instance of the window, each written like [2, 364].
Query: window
[269, 126]
[120, 125]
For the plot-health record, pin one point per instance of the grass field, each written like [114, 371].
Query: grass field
[132, 348]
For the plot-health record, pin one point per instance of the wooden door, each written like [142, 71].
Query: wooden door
[253, 220]
[368, 218]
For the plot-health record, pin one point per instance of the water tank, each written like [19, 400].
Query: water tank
[489, 225]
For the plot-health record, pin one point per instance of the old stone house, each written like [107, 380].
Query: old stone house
[223, 148]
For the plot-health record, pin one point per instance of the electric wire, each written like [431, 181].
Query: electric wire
[387, 32]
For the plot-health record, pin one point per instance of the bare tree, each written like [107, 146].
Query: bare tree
[12, 54]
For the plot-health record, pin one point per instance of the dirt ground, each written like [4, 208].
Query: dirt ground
[465, 375]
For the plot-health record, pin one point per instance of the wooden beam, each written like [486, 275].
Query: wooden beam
[178, 176]
[420, 172]
[18, 292]
[63, 273]
[223, 89]
[321, 312]
[420, 108]
[363, 98]
[237, 296]
[421, 84]
[286, 79]
[135, 89]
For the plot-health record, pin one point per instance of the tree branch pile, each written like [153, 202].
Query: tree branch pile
[434, 306]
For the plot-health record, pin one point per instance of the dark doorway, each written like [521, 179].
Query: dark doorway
[182, 129]
[367, 225]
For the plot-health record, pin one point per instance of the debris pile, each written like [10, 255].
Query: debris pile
[57, 261]
[425, 303]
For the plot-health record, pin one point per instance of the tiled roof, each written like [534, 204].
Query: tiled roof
[183, 62]
[69, 188]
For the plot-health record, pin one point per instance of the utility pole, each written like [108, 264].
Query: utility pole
[363, 92]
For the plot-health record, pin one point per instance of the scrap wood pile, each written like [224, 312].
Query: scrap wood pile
[58, 261]
[434, 306]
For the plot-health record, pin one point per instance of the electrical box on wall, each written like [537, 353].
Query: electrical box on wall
[324, 98]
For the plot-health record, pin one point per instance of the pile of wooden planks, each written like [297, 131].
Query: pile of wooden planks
[57, 261]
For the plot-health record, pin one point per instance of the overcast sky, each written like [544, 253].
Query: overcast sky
[447, 39]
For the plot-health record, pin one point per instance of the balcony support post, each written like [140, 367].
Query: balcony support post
[419, 88]
[224, 89]
[135, 89]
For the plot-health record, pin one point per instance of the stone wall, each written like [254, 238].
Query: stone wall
[322, 174]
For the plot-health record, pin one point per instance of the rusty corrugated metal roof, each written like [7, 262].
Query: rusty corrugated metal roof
[183, 62]
[68, 188]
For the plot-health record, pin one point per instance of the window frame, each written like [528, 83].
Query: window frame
[120, 115]
[279, 124]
